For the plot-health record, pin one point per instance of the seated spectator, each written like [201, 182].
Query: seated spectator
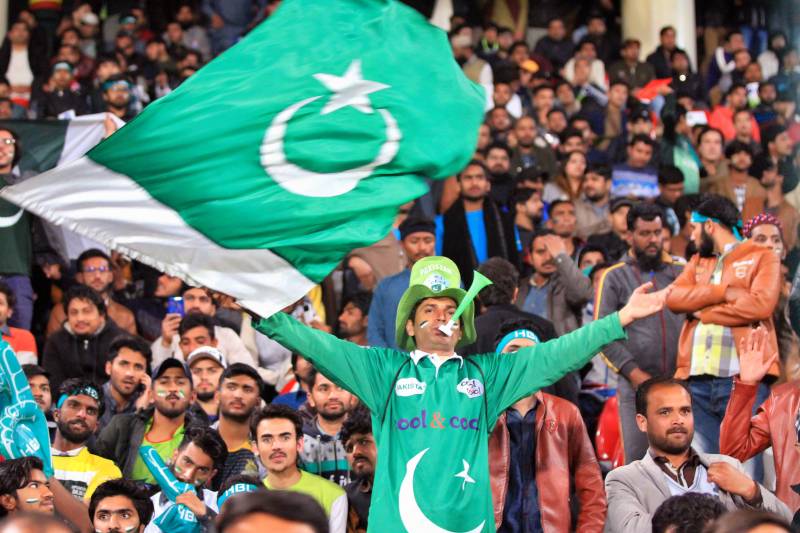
[636, 178]
[503, 96]
[590, 94]
[738, 186]
[773, 202]
[273, 510]
[751, 521]
[722, 63]
[561, 219]
[777, 147]
[746, 130]
[535, 465]
[528, 213]
[676, 144]
[710, 150]
[531, 150]
[475, 68]
[670, 188]
[295, 393]
[80, 347]
[614, 242]
[543, 101]
[765, 112]
[722, 116]
[500, 122]
[95, 271]
[22, 63]
[684, 80]
[120, 505]
[629, 69]
[498, 165]
[586, 49]
[20, 340]
[687, 513]
[362, 455]
[207, 365]
[637, 121]
[354, 318]
[672, 467]
[117, 98]
[592, 209]
[615, 114]
[58, 98]
[39, 382]
[556, 46]
[661, 58]
[567, 183]
[128, 387]
[195, 36]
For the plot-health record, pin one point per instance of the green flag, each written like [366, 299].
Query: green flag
[258, 174]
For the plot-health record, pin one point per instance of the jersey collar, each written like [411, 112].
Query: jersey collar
[418, 355]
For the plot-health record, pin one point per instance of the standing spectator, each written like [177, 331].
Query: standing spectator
[685, 81]
[746, 129]
[721, 117]
[20, 340]
[629, 69]
[557, 290]
[710, 149]
[362, 455]
[676, 144]
[770, 59]
[722, 62]
[661, 58]
[777, 147]
[195, 37]
[592, 209]
[162, 427]
[89, 29]
[724, 289]
[528, 212]
[531, 150]
[539, 452]
[773, 202]
[79, 406]
[567, 184]
[128, 387]
[229, 19]
[556, 46]
[586, 50]
[615, 115]
[323, 448]
[354, 318]
[474, 228]
[277, 433]
[117, 98]
[22, 64]
[636, 178]
[418, 238]
[652, 344]
[80, 347]
[561, 219]
[498, 163]
[738, 186]
[614, 242]
[207, 365]
[473, 66]
[670, 188]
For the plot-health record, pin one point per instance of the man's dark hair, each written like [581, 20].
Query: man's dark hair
[31, 371]
[273, 411]
[242, 369]
[592, 248]
[530, 174]
[521, 196]
[644, 211]
[82, 292]
[664, 30]
[358, 421]
[311, 376]
[10, 298]
[669, 175]
[644, 390]
[541, 233]
[569, 133]
[229, 482]
[556, 203]
[731, 33]
[75, 386]
[92, 253]
[209, 441]
[134, 344]
[735, 86]
[543, 87]
[504, 276]
[720, 208]
[474, 163]
[15, 474]
[289, 506]
[600, 169]
[641, 138]
[513, 324]
[499, 146]
[555, 110]
[197, 320]
[769, 133]
[687, 202]
[743, 110]
[137, 493]
[619, 81]
[687, 513]
[360, 299]
[705, 130]
[515, 45]
[746, 520]
[737, 146]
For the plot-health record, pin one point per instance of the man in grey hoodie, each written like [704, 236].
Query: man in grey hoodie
[652, 344]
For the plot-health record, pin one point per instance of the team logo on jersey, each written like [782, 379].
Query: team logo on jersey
[472, 388]
[409, 387]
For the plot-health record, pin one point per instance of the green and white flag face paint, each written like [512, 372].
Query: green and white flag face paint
[264, 169]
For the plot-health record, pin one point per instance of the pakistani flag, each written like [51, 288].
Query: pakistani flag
[263, 170]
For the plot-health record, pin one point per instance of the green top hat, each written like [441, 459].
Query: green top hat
[433, 277]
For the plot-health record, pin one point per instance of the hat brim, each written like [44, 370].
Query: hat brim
[416, 293]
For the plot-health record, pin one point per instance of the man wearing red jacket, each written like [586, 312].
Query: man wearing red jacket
[725, 289]
[538, 447]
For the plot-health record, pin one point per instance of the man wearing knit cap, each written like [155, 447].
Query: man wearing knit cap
[433, 409]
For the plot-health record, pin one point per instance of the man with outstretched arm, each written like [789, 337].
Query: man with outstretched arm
[433, 409]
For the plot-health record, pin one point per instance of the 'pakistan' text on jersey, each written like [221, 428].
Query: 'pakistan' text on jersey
[432, 420]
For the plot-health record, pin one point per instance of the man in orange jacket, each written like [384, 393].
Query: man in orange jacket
[727, 288]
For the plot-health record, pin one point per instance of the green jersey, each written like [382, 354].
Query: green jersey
[431, 418]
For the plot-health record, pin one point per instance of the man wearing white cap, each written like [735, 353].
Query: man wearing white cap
[207, 364]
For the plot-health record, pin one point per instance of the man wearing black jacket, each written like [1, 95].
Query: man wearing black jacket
[80, 348]
[475, 228]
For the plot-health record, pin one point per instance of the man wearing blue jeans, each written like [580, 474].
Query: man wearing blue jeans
[727, 288]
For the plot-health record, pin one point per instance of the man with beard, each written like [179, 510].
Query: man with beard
[475, 228]
[239, 396]
[207, 365]
[531, 150]
[120, 506]
[278, 438]
[724, 289]
[738, 186]
[78, 408]
[128, 387]
[362, 454]
[774, 203]
[323, 448]
[354, 318]
[117, 97]
[528, 212]
[161, 427]
[418, 239]
[672, 467]
[592, 209]
[498, 162]
[95, 272]
[651, 346]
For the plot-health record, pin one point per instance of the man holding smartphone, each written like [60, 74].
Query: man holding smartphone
[128, 385]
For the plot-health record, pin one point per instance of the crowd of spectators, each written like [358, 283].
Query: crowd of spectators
[599, 167]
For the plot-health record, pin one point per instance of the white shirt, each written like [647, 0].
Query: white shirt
[19, 69]
[160, 505]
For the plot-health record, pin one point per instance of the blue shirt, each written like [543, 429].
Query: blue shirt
[477, 233]
[521, 509]
[536, 300]
[295, 399]
[383, 309]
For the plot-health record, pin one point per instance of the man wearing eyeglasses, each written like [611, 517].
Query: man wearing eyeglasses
[94, 271]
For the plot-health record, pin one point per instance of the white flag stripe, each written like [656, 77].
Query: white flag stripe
[113, 209]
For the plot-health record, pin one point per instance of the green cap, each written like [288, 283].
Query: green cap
[433, 277]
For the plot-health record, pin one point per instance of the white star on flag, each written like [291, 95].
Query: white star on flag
[465, 475]
[349, 90]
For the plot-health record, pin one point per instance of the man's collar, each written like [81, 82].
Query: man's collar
[418, 355]
[692, 457]
[71, 453]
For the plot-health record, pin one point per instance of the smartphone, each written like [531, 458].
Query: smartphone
[696, 118]
[175, 305]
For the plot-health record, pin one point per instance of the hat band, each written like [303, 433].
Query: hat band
[236, 488]
[517, 334]
[697, 218]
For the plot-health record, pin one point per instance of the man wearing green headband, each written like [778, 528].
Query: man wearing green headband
[432, 409]
[727, 287]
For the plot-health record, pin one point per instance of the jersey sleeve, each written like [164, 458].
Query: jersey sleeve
[510, 377]
[366, 372]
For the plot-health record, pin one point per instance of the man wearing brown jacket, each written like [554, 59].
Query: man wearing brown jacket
[540, 450]
[725, 289]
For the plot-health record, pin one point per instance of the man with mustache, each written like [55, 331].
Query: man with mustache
[207, 365]
[278, 439]
[161, 426]
[362, 454]
[651, 347]
[323, 449]
[79, 406]
[120, 506]
[671, 466]
[128, 385]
